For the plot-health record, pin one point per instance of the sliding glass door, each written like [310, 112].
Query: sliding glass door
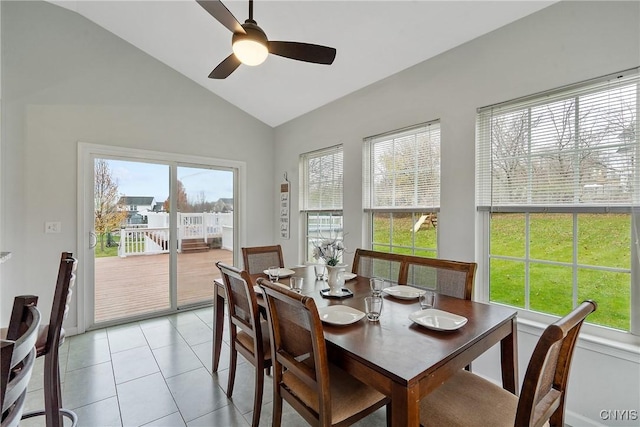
[155, 229]
[204, 207]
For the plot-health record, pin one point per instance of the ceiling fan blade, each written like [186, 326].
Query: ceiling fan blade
[303, 52]
[225, 68]
[222, 14]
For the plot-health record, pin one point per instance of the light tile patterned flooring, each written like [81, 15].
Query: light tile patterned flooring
[157, 372]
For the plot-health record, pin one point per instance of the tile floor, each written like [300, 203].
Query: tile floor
[158, 373]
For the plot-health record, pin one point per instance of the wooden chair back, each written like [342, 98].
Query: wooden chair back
[298, 349]
[17, 358]
[452, 278]
[543, 392]
[48, 344]
[259, 258]
[242, 309]
[368, 263]
[60, 307]
[249, 336]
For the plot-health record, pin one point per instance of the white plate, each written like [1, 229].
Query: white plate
[349, 276]
[438, 320]
[403, 292]
[284, 272]
[340, 314]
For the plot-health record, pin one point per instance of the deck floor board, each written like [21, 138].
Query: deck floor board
[137, 285]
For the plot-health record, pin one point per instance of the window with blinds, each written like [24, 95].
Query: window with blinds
[575, 147]
[402, 169]
[401, 189]
[321, 191]
[558, 182]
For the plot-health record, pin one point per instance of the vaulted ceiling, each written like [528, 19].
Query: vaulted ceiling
[374, 39]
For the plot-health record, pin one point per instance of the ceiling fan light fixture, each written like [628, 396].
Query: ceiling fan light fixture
[250, 52]
[251, 47]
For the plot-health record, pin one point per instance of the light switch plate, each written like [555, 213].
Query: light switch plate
[52, 227]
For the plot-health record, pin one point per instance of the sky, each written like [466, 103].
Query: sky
[150, 179]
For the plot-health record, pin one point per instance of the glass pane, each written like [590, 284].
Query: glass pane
[425, 253]
[410, 233]
[604, 240]
[381, 248]
[402, 230]
[551, 237]
[550, 289]
[132, 254]
[426, 235]
[381, 229]
[506, 282]
[612, 292]
[205, 230]
[322, 226]
[507, 234]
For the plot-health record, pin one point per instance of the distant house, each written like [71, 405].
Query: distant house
[223, 205]
[136, 206]
[158, 207]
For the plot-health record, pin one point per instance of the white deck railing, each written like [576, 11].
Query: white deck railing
[153, 238]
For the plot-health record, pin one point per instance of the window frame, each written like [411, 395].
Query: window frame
[416, 210]
[633, 209]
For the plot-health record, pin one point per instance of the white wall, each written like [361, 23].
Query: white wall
[562, 44]
[66, 80]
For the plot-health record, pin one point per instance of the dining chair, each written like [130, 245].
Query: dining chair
[17, 355]
[452, 278]
[259, 258]
[50, 338]
[367, 263]
[249, 334]
[469, 400]
[322, 393]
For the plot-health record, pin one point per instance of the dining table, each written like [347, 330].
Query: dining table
[399, 357]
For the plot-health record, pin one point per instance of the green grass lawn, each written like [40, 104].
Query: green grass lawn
[106, 251]
[603, 240]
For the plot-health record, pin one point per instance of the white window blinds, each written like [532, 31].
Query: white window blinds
[321, 173]
[573, 148]
[401, 170]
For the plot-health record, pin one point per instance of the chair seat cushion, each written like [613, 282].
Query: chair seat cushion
[470, 401]
[247, 342]
[348, 395]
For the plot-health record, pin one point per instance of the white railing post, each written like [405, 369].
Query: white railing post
[204, 226]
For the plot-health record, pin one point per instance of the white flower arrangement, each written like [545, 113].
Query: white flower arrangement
[329, 250]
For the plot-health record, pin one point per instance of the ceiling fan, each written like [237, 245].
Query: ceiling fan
[251, 46]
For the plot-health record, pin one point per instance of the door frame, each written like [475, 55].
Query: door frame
[87, 153]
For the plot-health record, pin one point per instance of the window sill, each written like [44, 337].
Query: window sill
[616, 344]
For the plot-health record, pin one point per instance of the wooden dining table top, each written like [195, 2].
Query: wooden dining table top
[405, 360]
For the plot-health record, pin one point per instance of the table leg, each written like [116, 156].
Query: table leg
[405, 405]
[509, 359]
[218, 323]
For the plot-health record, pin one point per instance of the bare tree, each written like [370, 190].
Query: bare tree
[107, 215]
[560, 151]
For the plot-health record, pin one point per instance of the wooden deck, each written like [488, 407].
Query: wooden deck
[140, 284]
